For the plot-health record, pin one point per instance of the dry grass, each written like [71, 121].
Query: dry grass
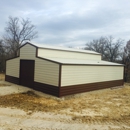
[2, 77]
[98, 106]
[3, 85]
[103, 105]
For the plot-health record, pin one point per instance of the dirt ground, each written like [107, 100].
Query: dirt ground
[107, 109]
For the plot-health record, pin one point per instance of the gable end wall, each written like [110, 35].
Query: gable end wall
[45, 71]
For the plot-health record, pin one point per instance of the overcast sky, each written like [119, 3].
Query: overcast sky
[70, 22]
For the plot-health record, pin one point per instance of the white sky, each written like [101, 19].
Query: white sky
[70, 22]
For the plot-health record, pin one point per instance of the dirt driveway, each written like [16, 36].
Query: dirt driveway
[24, 109]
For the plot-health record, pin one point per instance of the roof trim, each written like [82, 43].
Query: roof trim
[12, 58]
[48, 60]
[76, 64]
[65, 61]
[90, 64]
[19, 51]
[60, 63]
[26, 44]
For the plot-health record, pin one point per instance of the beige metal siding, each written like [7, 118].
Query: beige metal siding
[12, 67]
[66, 54]
[28, 52]
[46, 72]
[72, 75]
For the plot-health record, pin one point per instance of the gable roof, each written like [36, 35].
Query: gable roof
[68, 61]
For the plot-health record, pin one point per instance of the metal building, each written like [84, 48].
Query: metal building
[60, 71]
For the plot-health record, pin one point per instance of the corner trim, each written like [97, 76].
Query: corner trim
[60, 71]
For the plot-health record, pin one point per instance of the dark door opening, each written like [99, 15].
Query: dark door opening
[27, 73]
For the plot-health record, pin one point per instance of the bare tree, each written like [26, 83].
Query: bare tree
[17, 32]
[2, 57]
[109, 49]
[1, 47]
[126, 61]
[113, 48]
[98, 45]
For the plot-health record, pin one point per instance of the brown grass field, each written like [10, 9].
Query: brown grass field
[108, 106]
[2, 77]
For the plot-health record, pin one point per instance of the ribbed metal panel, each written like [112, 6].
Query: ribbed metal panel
[68, 90]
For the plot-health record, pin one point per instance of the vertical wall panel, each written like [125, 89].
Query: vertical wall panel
[12, 67]
[46, 72]
[28, 52]
[72, 75]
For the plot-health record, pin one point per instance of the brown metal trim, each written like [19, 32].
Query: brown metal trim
[48, 60]
[44, 58]
[36, 51]
[19, 50]
[12, 79]
[15, 56]
[68, 90]
[26, 44]
[76, 64]
[60, 71]
[90, 65]
[12, 58]
[46, 88]
[73, 89]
